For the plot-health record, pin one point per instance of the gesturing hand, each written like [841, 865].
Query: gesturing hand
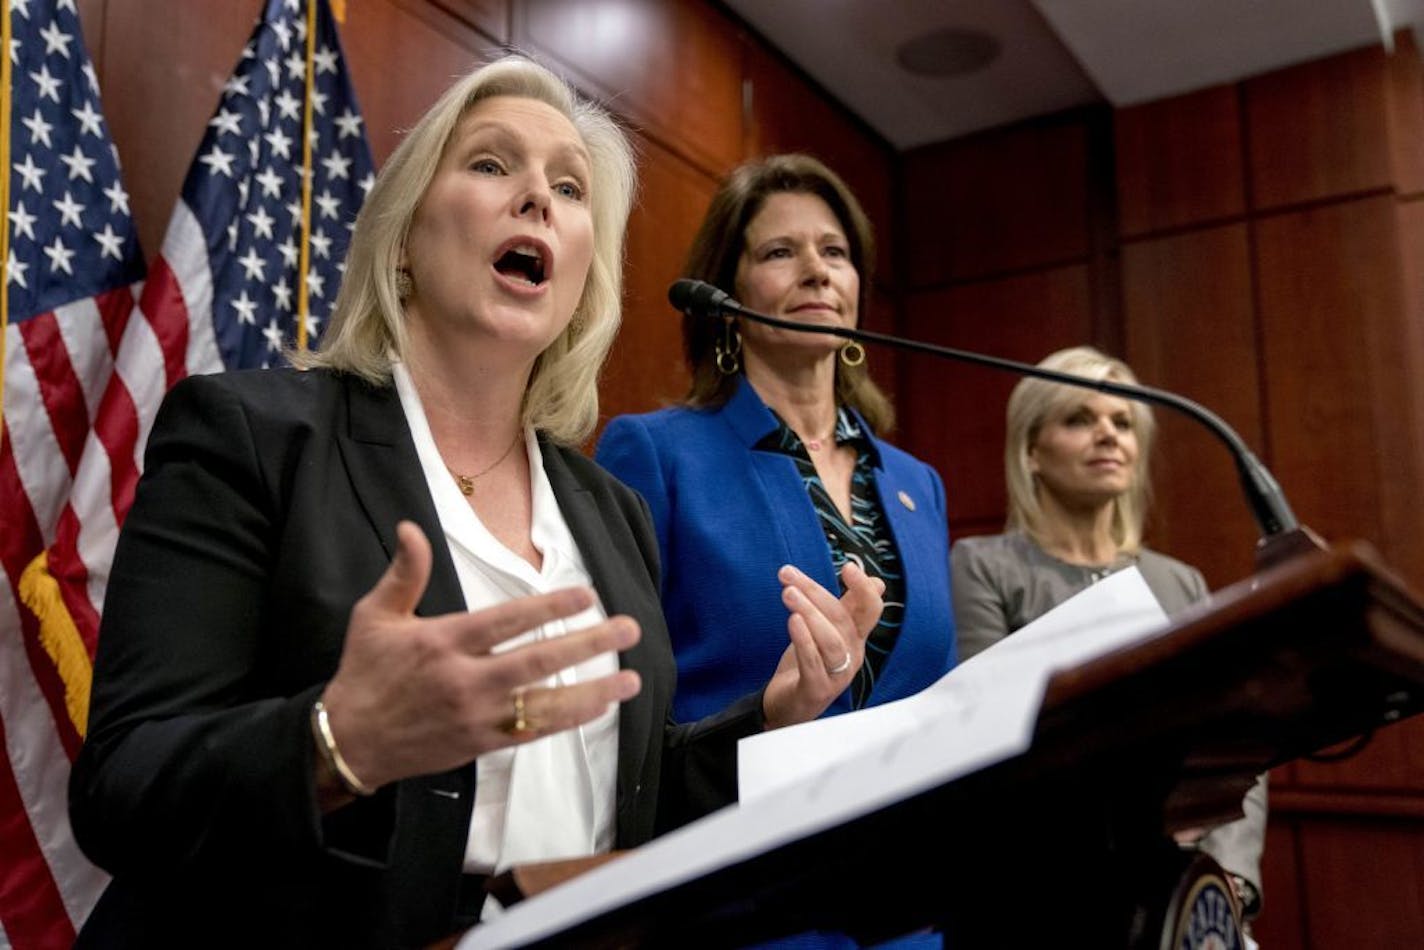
[827, 643]
[415, 695]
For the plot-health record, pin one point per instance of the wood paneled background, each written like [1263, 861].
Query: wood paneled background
[1257, 246]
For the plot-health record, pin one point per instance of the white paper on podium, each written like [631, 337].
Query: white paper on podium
[831, 771]
[994, 697]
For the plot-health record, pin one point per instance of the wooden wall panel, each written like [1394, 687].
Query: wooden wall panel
[672, 66]
[1318, 130]
[1190, 329]
[160, 88]
[1392, 764]
[490, 17]
[1324, 274]
[1362, 884]
[1345, 436]
[1281, 923]
[1000, 202]
[954, 413]
[884, 362]
[1410, 342]
[1410, 216]
[1399, 343]
[1339, 400]
[91, 21]
[1180, 161]
[1405, 103]
[646, 368]
[787, 114]
[402, 55]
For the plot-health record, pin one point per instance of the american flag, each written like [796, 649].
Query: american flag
[233, 256]
[250, 264]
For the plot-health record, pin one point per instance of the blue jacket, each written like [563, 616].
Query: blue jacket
[728, 515]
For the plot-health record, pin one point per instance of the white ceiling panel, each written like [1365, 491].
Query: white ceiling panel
[1138, 52]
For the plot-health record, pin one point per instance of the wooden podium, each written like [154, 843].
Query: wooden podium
[1069, 844]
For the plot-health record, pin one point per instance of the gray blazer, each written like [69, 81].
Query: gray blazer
[999, 583]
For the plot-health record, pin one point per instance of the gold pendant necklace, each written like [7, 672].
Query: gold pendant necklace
[467, 482]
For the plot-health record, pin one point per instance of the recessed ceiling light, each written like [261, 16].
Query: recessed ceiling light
[948, 52]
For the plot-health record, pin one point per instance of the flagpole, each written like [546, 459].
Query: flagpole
[304, 250]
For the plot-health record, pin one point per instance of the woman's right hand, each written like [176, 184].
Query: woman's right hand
[415, 695]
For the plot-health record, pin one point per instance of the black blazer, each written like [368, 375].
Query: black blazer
[268, 505]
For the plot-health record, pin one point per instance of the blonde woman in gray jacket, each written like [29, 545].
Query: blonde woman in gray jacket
[1075, 461]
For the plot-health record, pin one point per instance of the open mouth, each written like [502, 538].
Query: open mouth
[524, 263]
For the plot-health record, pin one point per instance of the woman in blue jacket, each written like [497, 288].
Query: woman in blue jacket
[775, 456]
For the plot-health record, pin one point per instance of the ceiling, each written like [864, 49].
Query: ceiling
[1044, 56]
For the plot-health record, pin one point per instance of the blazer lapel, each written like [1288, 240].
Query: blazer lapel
[389, 484]
[784, 498]
[922, 542]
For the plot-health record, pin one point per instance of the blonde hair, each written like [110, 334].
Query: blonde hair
[367, 327]
[1033, 403]
[718, 247]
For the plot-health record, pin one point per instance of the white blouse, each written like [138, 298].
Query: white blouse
[553, 797]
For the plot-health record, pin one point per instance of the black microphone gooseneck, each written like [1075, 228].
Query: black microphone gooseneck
[1281, 534]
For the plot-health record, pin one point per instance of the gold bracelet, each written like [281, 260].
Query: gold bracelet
[326, 742]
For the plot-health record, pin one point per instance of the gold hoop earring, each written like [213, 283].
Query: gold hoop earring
[852, 354]
[404, 285]
[728, 349]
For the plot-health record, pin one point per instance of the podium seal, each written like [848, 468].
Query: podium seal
[1204, 914]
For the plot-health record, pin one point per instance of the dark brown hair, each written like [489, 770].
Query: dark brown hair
[718, 248]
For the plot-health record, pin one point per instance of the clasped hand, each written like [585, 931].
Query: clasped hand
[827, 646]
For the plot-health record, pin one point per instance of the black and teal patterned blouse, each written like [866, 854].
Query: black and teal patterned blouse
[866, 540]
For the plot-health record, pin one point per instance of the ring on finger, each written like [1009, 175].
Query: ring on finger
[520, 724]
[840, 667]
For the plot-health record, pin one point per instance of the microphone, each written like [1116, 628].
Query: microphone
[1282, 536]
[697, 298]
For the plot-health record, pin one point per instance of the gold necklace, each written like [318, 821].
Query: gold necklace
[467, 482]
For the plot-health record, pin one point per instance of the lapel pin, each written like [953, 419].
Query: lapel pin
[906, 500]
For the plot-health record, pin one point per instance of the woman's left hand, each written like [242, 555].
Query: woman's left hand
[827, 643]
